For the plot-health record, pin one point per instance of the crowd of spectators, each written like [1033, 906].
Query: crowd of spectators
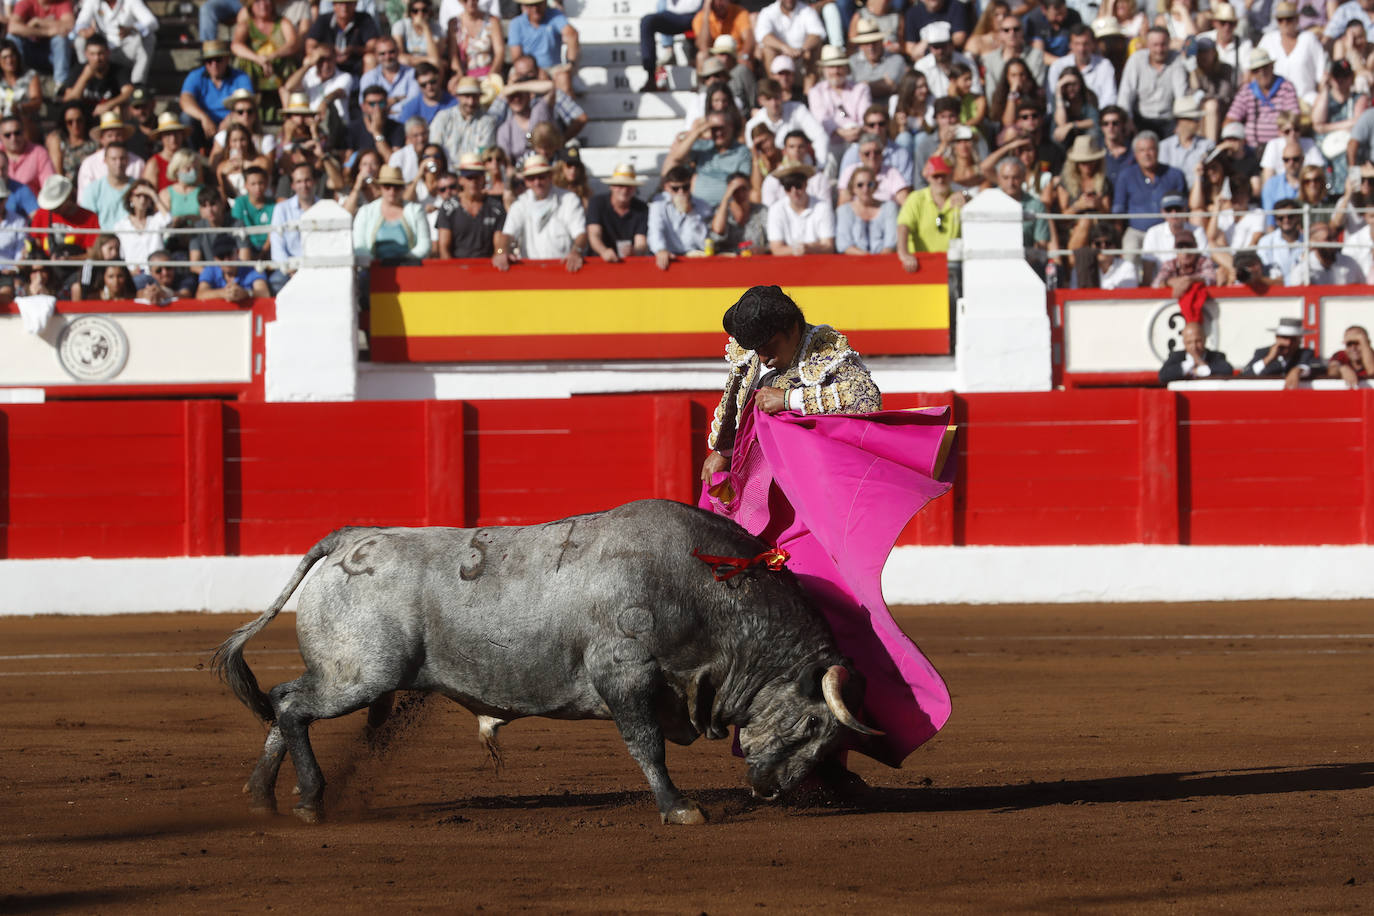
[860, 128]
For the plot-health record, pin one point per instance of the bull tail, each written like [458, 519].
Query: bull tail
[228, 661]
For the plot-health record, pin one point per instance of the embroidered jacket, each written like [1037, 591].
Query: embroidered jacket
[831, 377]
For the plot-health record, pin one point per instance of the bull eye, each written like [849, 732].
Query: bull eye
[812, 724]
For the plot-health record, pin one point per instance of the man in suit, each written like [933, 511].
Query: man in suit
[1287, 358]
[1193, 359]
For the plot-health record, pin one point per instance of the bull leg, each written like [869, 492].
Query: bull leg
[487, 727]
[261, 786]
[627, 678]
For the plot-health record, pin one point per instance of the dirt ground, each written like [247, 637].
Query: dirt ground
[1189, 758]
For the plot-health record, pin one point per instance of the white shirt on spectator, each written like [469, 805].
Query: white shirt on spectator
[286, 243]
[1304, 68]
[1240, 233]
[316, 89]
[696, 109]
[817, 186]
[1171, 152]
[1357, 248]
[1280, 257]
[135, 245]
[815, 223]
[408, 161]
[545, 228]
[936, 78]
[1272, 157]
[795, 116]
[676, 232]
[1099, 76]
[791, 30]
[1121, 275]
[1158, 244]
[450, 10]
[108, 20]
[266, 143]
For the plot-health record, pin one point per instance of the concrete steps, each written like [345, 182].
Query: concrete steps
[642, 134]
[636, 105]
[631, 78]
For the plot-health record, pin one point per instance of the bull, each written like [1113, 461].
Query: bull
[602, 616]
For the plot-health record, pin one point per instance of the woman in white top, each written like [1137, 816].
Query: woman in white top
[1132, 22]
[139, 232]
[1298, 56]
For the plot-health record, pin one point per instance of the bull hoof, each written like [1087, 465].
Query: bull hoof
[687, 812]
[263, 807]
[310, 814]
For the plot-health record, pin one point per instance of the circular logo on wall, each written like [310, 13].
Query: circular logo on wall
[1165, 328]
[92, 348]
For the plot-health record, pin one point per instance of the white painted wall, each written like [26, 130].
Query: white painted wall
[914, 575]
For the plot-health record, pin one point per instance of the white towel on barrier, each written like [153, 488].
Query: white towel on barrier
[36, 311]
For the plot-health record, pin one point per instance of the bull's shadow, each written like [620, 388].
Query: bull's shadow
[1148, 787]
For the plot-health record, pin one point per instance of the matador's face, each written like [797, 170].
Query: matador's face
[781, 350]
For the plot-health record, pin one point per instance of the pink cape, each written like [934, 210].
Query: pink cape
[835, 492]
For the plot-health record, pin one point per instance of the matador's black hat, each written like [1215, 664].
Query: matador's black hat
[759, 314]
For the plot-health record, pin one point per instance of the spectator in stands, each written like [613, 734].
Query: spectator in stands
[545, 222]
[264, 43]
[423, 187]
[29, 162]
[1298, 56]
[956, 17]
[474, 40]
[968, 172]
[395, 78]
[110, 130]
[938, 64]
[243, 110]
[1290, 131]
[1049, 27]
[433, 97]
[883, 14]
[222, 280]
[939, 142]
[781, 117]
[182, 196]
[712, 76]
[1328, 266]
[407, 157]
[502, 182]
[1335, 112]
[204, 92]
[1193, 360]
[254, 208]
[767, 155]
[1030, 127]
[1097, 73]
[1214, 84]
[1354, 360]
[678, 222]
[101, 83]
[468, 224]
[351, 34]
[285, 240]
[673, 17]
[171, 134]
[140, 228]
[213, 14]
[1280, 251]
[892, 185]
[374, 128]
[1153, 79]
[727, 20]
[362, 181]
[162, 283]
[1258, 103]
[231, 164]
[1142, 186]
[836, 101]
[795, 148]
[791, 29]
[1157, 248]
[740, 224]
[70, 142]
[865, 224]
[571, 174]
[1187, 266]
[105, 196]
[618, 221]
[1017, 88]
[116, 283]
[57, 208]
[1185, 150]
[328, 89]
[1011, 175]
[20, 202]
[785, 72]
[1013, 47]
[1099, 267]
[877, 121]
[419, 37]
[463, 128]
[388, 229]
[214, 214]
[1116, 141]
[1082, 188]
[1359, 245]
[528, 109]
[128, 27]
[1075, 109]
[872, 65]
[929, 219]
[1287, 357]
[800, 223]
[742, 82]
[548, 37]
[20, 94]
[714, 163]
[44, 28]
[1286, 184]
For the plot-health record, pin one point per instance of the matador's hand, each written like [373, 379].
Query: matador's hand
[771, 400]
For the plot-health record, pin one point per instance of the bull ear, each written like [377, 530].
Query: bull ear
[809, 681]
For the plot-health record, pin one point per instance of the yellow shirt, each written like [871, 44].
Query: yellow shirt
[929, 228]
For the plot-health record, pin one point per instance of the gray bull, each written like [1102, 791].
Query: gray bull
[604, 616]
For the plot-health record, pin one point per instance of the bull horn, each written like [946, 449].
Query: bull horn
[831, 687]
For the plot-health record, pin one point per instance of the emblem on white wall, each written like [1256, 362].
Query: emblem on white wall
[92, 348]
[1165, 328]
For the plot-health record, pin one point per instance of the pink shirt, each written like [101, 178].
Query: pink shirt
[839, 108]
[890, 181]
[93, 168]
[32, 167]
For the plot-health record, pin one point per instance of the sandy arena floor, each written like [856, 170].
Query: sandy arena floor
[1212, 757]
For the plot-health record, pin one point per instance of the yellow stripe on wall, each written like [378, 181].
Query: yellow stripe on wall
[640, 311]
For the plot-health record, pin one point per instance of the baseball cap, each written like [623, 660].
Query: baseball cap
[1233, 131]
[1171, 200]
[937, 165]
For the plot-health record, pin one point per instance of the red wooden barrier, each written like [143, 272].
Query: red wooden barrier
[1106, 466]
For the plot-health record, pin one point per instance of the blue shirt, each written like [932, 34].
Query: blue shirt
[543, 42]
[211, 97]
[419, 108]
[214, 275]
[875, 236]
[675, 232]
[1112, 165]
[1137, 194]
[21, 201]
[1276, 189]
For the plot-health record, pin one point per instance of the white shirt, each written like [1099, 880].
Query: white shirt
[938, 81]
[1281, 258]
[1239, 233]
[408, 161]
[450, 10]
[795, 116]
[545, 229]
[1357, 248]
[1194, 369]
[791, 30]
[815, 223]
[108, 20]
[1272, 157]
[1158, 244]
[316, 89]
[817, 186]
[1304, 68]
[136, 244]
[696, 109]
[1121, 275]
[1099, 76]
[266, 143]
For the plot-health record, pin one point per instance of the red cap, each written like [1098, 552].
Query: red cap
[937, 164]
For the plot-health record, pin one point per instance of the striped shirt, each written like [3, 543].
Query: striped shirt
[1259, 112]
